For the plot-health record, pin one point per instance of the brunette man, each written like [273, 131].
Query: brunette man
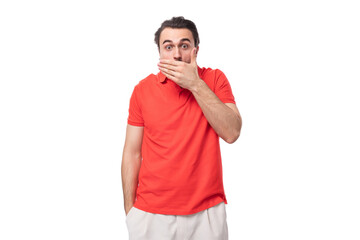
[171, 168]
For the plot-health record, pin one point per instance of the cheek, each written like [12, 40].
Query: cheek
[165, 54]
[186, 56]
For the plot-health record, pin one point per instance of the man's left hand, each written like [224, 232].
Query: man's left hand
[182, 73]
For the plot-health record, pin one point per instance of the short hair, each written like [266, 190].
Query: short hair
[178, 22]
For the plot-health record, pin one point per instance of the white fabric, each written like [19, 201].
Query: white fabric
[209, 224]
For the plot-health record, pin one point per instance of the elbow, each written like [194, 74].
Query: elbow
[233, 137]
[235, 134]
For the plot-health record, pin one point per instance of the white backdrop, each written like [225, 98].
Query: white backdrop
[67, 70]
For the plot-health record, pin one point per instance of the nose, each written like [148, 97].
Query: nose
[177, 54]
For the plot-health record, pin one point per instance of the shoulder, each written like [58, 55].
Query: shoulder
[211, 76]
[210, 72]
[146, 82]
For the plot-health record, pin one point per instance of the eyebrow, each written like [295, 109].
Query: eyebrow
[182, 40]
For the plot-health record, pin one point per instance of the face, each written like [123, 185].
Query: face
[176, 44]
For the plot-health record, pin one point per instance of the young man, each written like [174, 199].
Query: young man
[171, 167]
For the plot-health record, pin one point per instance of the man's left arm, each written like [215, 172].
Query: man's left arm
[224, 118]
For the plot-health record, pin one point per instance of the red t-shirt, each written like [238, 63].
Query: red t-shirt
[181, 168]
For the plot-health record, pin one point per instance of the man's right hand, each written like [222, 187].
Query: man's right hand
[127, 209]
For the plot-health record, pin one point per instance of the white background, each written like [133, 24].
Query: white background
[67, 70]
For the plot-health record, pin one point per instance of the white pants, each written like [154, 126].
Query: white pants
[209, 224]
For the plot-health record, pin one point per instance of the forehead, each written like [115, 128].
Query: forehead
[175, 35]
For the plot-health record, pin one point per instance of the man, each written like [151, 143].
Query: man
[171, 167]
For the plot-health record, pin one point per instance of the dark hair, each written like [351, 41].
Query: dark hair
[178, 22]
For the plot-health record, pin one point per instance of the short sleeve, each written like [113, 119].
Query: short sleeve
[135, 115]
[223, 89]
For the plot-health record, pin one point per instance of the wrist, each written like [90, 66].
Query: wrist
[197, 85]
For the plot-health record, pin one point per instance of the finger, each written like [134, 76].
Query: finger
[167, 71]
[167, 66]
[170, 62]
[193, 55]
[169, 76]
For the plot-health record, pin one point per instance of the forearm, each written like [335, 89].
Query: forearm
[130, 167]
[222, 118]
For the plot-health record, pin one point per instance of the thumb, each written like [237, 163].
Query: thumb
[193, 55]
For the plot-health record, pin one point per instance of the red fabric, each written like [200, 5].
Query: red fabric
[181, 169]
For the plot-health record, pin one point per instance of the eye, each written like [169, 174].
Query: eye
[184, 46]
[168, 47]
